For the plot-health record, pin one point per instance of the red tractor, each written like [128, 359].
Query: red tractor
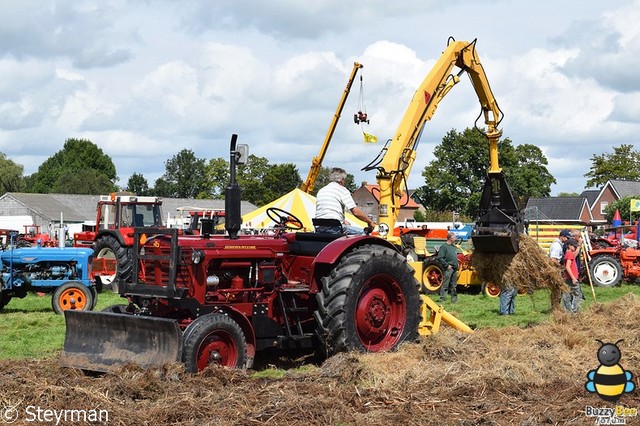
[220, 299]
[609, 266]
[112, 236]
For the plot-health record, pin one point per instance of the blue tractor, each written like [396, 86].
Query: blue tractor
[63, 271]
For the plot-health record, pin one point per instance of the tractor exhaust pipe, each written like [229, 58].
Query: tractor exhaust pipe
[233, 220]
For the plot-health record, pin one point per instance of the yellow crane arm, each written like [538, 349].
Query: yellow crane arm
[316, 163]
[400, 152]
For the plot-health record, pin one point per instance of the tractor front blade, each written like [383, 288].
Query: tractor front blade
[104, 341]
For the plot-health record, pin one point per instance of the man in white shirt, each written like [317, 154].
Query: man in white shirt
[556, 249]
[331, 202]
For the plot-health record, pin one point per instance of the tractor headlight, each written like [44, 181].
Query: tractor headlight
[197, 256]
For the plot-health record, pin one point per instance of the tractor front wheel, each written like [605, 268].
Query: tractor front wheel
[491, 289]
[72, 296]
[432, 275]
[108, 247]
[214, 339]
[606, 271]
[369, 302]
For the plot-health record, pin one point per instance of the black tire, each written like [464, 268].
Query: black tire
[109, 247]
[432, 275]
[606, 271]
[71, 295]
[4, 300]
[94, 295]
[213, 339]
[369, 302]
[117, 309]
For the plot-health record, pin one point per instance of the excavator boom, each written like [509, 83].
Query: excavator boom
[316, 163]
[499, 222]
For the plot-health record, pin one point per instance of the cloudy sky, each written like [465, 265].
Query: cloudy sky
[146, 79]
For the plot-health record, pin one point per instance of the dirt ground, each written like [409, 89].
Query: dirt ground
[525, 376]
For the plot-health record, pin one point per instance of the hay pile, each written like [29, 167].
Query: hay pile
[501, 376]
[529, 269]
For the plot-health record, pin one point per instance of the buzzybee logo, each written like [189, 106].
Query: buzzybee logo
[8, 414]
[609, 381]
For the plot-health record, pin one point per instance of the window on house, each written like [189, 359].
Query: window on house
[603, 205]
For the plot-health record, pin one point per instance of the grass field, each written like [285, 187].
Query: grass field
[30, 329]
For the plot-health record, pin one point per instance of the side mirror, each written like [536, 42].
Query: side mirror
[242, 153]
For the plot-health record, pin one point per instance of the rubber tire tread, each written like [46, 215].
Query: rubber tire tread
[55, 299]
[122, 254]
[340, 289]
[201, 328]
[4, 300]
[600, 259]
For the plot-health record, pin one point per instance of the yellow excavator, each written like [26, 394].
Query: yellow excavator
[499, 221]
[316, 162]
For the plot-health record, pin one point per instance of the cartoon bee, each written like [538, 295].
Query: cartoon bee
[609, 380]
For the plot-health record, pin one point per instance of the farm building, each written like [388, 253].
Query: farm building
[18, 210]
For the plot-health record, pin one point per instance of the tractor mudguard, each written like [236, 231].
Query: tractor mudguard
[336, 249]
[104, 341]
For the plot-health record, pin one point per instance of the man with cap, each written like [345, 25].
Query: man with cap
[556, 250]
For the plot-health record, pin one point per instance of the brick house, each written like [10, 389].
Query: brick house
[566, 210]
[612, 191]
[367, 197]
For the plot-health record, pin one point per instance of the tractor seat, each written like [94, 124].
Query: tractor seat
[328, 226]
[311, 243]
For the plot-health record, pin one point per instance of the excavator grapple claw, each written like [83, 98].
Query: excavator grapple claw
[499, 222]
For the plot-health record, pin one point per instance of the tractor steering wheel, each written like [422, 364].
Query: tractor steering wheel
[284, 219]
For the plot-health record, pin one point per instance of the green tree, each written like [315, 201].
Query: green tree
[137, 184]
[11, 179]
[279, 180]
[184, 176]
[623, 164]
[250, 177]
[76, 156]
[568, 194]
[217, 176]
[323, 179]
[87, 181]
[455, 178]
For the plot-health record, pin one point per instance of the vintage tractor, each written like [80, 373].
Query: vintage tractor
[220, 299]
[112, 236]
[63, 271]
[609, 266]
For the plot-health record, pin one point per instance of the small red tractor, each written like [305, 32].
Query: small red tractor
[609, 266]
[33, 236]
[112, 236]
[221, 299]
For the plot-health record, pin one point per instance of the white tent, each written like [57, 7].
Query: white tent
[296, 202]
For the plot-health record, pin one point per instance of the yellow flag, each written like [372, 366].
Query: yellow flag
[635, 205]
[372, 138]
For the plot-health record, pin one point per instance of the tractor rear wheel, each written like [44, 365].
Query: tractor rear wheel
[213, 339]
[369, 302]
[107, 246]
[432, 275]
[71, 296]
[606, 271]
